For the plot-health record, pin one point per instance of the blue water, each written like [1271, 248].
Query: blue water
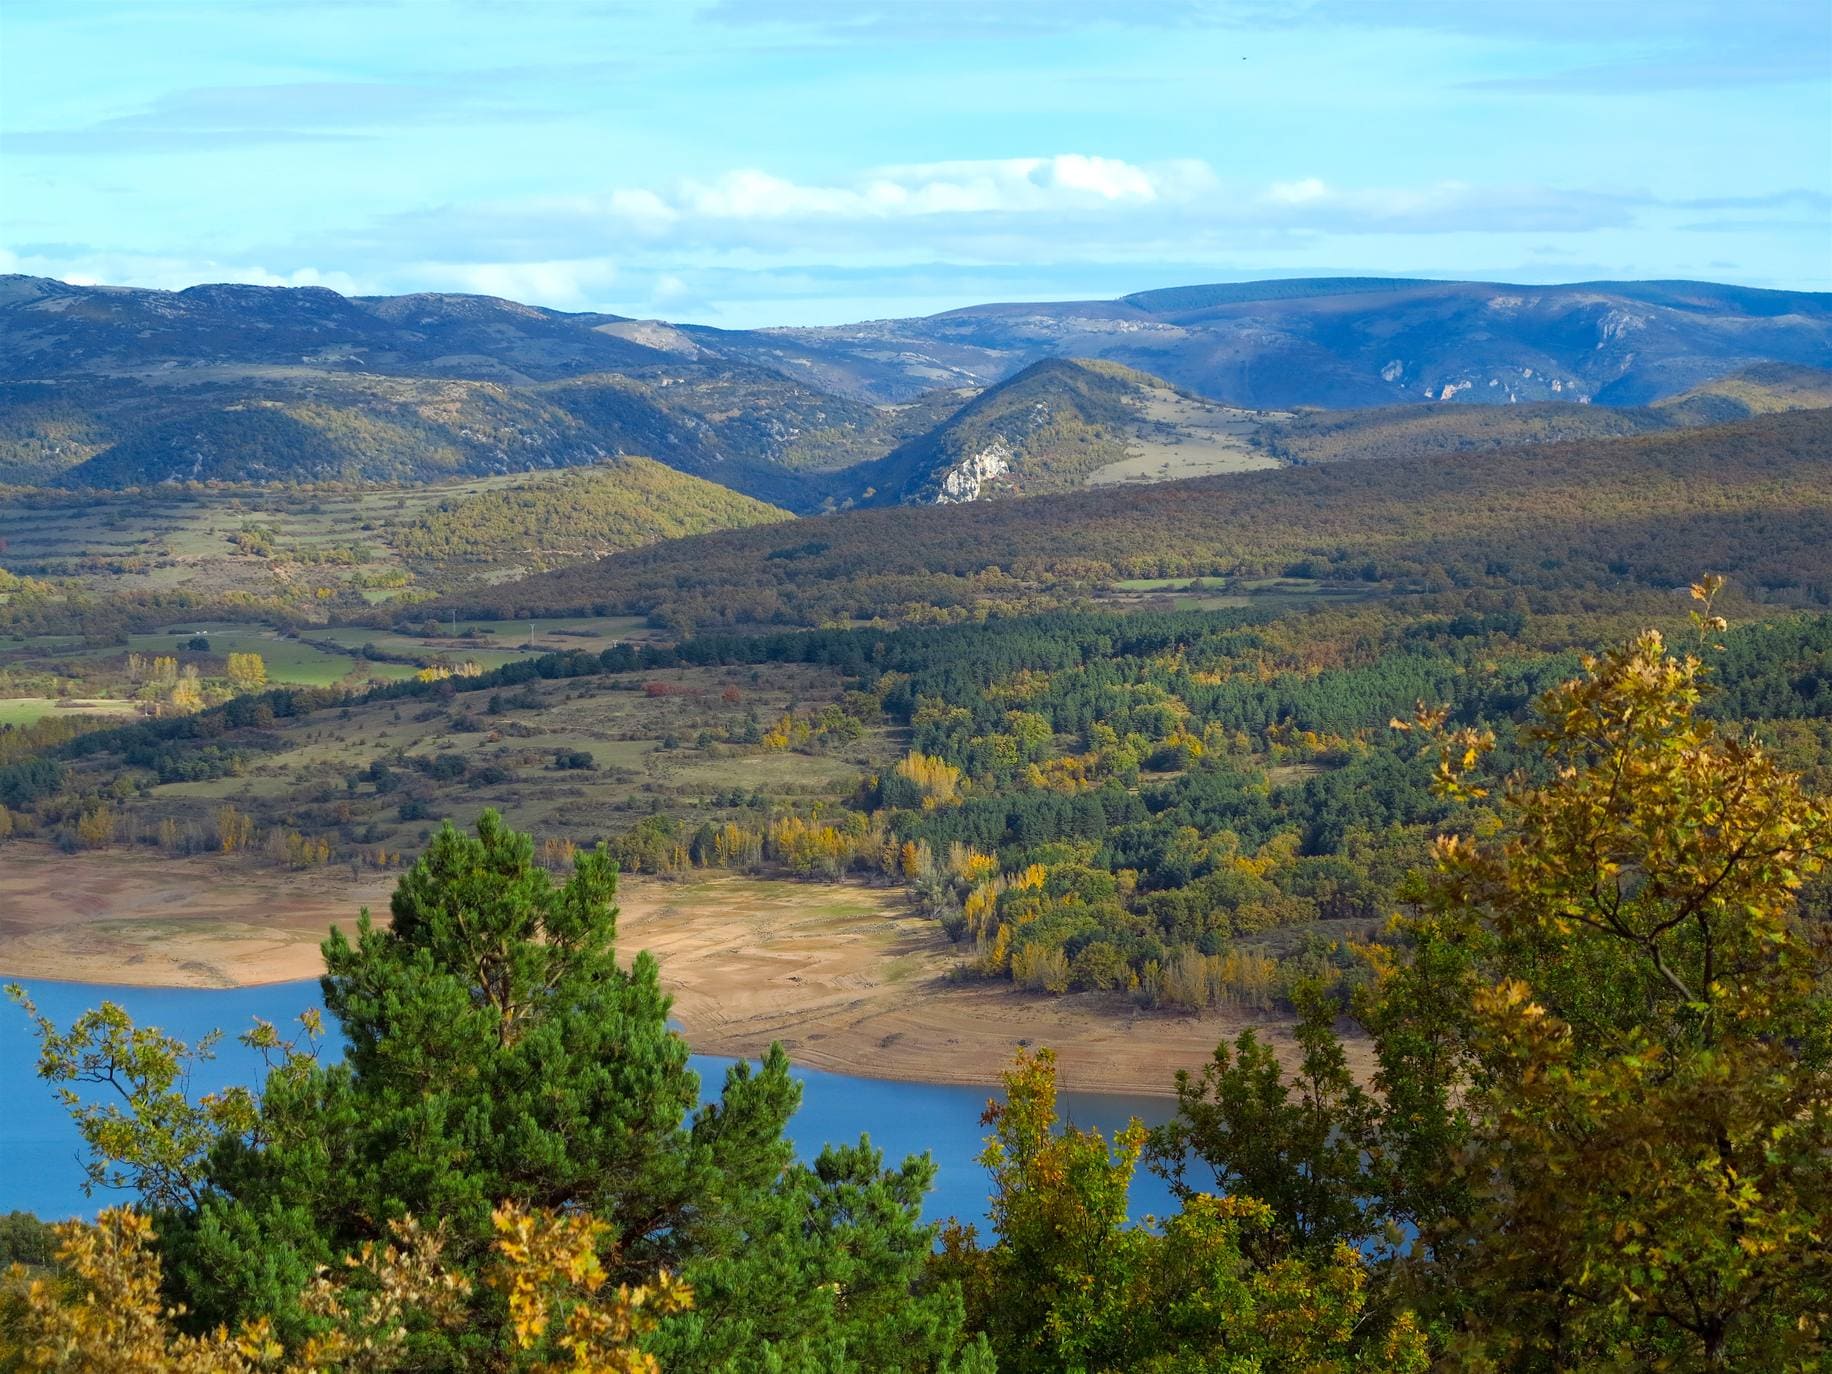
[40, 1152]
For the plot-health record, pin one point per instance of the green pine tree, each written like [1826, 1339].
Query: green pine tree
[497, 1053]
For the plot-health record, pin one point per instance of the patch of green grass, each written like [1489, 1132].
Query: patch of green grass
[1160, 584]
[290, 662]
[901, 969]
[27, 710]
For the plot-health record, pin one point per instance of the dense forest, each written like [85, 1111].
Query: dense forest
[1648, 511]
[1182, 810]
[1594, 1138]
[575, 514]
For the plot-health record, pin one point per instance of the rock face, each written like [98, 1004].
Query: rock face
[963, 481]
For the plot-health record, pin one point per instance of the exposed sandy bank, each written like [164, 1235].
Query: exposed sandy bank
[844, 976]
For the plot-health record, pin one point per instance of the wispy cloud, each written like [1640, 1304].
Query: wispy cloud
[211, 117]
[562, 284]
[1798, 197]
[898, 20]
[1015, 185]
[966, 203]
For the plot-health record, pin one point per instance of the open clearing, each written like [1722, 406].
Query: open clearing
[673, 753]
[1186, 437]
[124, 917]
[842, 975]
[1233, 593]
[26, 710]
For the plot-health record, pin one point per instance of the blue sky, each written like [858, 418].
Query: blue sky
[745, 162]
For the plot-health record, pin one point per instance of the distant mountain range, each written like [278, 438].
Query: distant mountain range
[114, 387]
[1339, 342]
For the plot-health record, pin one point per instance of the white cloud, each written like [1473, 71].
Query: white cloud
[1305, 192]
[1104, 176]
[684, 249]
[167, 273]
[563, 284]
[1015, 185]
[983, 210]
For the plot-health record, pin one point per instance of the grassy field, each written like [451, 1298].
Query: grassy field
[1184, 437]
[26, 710]
[682, 752]
[1164, 584]
[316, 656]
[1231, 593]
[160, 539]
[291, 662]
[490, 643]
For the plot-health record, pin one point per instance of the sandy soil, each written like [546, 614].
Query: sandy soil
[137, 918]
[845, 977]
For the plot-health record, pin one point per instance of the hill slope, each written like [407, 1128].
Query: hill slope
[323, 548]
[1389, 432]
[116, 387]
[301, 425]
[54, 329]
[1751, 500]
[1057, 425]
[1765, 389]
[581, 513]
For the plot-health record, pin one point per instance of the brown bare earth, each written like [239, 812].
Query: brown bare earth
[150, 921]
[844, 976]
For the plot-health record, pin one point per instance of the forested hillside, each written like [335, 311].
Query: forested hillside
[1764, 389]
[1750, 499]
[574, 515]
[306, 427]
[1058, 425]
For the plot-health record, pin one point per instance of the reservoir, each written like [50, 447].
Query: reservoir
[40, 1152]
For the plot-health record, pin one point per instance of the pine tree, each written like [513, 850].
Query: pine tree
[498, 1056]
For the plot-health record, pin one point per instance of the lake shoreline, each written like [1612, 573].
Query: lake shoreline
[845, 976]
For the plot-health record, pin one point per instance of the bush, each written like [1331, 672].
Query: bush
[1098, 967]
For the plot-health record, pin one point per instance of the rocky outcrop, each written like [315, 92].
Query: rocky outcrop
[964, 480]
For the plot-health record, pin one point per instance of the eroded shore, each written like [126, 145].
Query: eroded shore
[843, 975]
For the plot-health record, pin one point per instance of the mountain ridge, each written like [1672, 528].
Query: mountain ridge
[122, 386]
[1059, 424]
